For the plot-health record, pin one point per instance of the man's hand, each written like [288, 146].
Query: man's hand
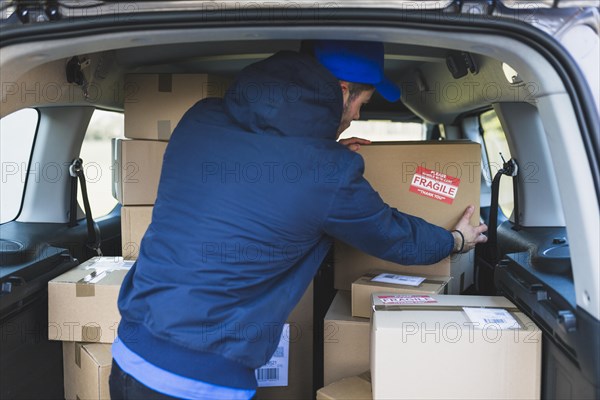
[354, 143]
[471, 235]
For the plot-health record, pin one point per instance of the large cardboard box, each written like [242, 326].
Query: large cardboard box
[345, 341]
[82, 302]
[453, 347]
[86, 368]
[154, 103]
[432, 180]
[134, 223]
[364, 286]
[136, 170]
[352, 388]
[300, 362]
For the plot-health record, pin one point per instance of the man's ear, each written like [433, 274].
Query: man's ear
[345, 86]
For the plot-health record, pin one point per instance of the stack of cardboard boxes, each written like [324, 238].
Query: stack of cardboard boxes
[432, 180]
[83, 302]
[154, 104]
[83, 314]
[363, 328]
[435, 181]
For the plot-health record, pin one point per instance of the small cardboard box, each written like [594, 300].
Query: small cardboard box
[154, 103]
[352, 388]
[86, 368]
[82, 302]
[364, 286]
[432, 180]
[134, 223]
[345, 341]
[136, 170]
[300, 362]
[459, 347]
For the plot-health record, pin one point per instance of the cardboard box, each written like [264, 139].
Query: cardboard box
[136, 170]
[345, 341]
[86, 368]
[453, 347]
[300, 370]
[154, 103]
[364, 286]
[400, 172]
[134, 223]
[353, 388]
[82, 302]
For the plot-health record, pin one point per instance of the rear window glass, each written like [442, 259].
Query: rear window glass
[17, 132]
[496, 147]
[96, 155]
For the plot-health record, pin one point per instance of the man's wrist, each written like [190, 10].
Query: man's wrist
[459, 241]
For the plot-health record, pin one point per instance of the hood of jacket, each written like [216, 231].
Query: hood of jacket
[287, 94]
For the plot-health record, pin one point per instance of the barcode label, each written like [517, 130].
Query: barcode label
[494, 320]
[484, 318]
[267, 374]
[399, 279]
[275, 371]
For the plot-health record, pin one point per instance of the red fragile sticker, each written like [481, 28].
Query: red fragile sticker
[406, 299]
[435, 185]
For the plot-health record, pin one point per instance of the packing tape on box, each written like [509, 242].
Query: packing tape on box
[90, 333]
[78, 347]
[165, 83]
[407, 307]
[163, 127]
[85, 287]
[501, 316]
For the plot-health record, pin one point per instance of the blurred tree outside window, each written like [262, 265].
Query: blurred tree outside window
[97, 160]
[495, 144]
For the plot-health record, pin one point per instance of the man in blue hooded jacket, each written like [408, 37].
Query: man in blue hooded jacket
[254, 187]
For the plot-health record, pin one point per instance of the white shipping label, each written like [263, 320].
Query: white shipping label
[491, 318]
[275, 371]
[110, 264]
[406, 299]
[399, 279]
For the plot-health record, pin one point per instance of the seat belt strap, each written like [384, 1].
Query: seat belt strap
[76, 171]
[509, 168]
[73, 203]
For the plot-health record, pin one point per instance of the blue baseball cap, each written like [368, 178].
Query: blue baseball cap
[356, 61]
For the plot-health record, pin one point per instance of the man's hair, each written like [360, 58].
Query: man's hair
[355, 89]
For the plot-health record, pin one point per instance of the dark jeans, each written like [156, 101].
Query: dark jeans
[124, 386]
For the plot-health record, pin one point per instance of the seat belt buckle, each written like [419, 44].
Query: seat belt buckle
[76, 167]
